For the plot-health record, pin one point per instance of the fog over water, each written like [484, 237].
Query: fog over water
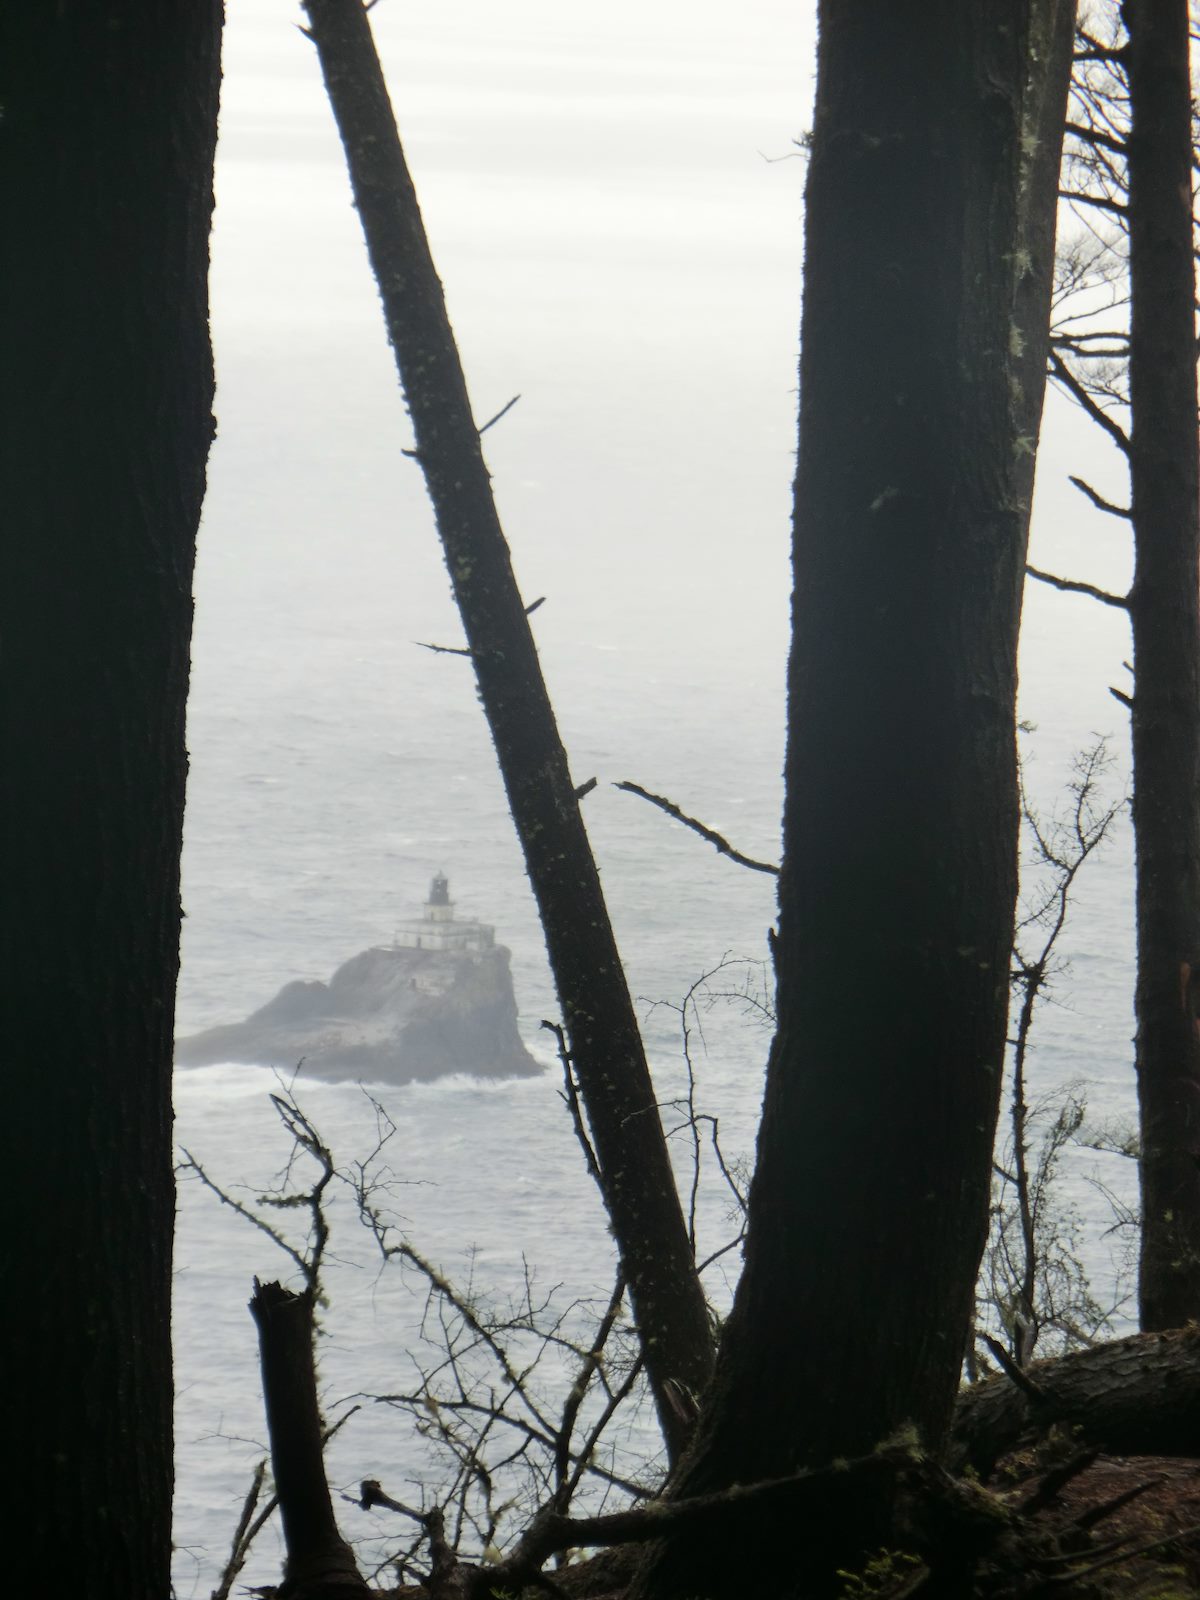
[614, 205]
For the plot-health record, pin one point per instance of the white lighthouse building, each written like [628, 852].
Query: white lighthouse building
[438, 928]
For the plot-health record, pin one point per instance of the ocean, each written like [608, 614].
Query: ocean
[622, 248]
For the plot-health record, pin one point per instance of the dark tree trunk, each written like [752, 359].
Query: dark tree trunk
[1048, 82]
[605, 1045]
[1164, 606]
[320, 1565]
[106, 148]
[1136, 1396]
[868, 1210]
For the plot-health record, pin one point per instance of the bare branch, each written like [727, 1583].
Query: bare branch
[545, 1438]
[1022, 1379]
[446, 649]
[564, 1480]
[1098, 202]
[1127, 1553]
[1062, 374]
[226, 1199]
[1101, 504]
[503, 412]
[550, 1532]
[247, 1531]
[722, 845]
[241, 1544]
[571, 1096]
[1072, 586]
[1094, 136]
[586, 1457]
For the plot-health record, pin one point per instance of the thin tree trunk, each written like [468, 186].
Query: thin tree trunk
[1164, 606]
[605, 1044]
[106, 152]
[868, 1209]
[1051, 44]
[320, 1565]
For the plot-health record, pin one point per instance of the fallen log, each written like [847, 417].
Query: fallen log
[1134, 1396]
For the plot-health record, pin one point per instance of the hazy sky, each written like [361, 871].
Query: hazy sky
[621, 245]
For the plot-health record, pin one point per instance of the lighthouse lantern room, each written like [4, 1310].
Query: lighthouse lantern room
[439, 907]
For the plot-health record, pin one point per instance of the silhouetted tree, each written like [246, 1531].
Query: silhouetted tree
[606, 1052]
[1164, 607]
[1126, 353]
[868, 1209]
[106, 148]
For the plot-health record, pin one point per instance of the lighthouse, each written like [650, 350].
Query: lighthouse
[437, 928]
[439, 907]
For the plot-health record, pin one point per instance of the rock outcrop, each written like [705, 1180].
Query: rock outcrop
[389, 1015]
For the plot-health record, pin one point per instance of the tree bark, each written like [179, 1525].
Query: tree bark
[320, 1565]
[1164, 607]
[605, 1044]
[106, 154]
[1051, 43]
[1135, 1396]
[868, 1209]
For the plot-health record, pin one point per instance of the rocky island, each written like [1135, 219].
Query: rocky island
[438, 1000]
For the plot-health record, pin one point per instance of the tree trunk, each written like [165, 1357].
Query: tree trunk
[1164, 606]
[1051, 43]
[319, 1565]
[1136, 1396]
[868, 1209]
[106, 157]
[605, 1045]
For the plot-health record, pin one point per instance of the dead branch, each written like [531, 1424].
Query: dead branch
[491, 423]
[693, 1119]
[720, 844]
[305, 1138]
[190, 1164]
[1094, 136]
[1063, 376]
[1094, 1515]
[241, 1543]
[585, 1459]
[436, 1410]
[1032, 1279]
[1101, 504]
[571, 1097]
[445, 649]
[1073, 586]
[1055, 1481]
[563, 1482]
[248, 1531]
[1012, 1370]
[551, 1533]
[1127, 1553]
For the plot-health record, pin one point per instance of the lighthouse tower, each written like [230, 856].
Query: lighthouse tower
[439, 907]
[437, 928]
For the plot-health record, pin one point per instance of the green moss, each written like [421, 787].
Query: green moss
[883, 1573]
